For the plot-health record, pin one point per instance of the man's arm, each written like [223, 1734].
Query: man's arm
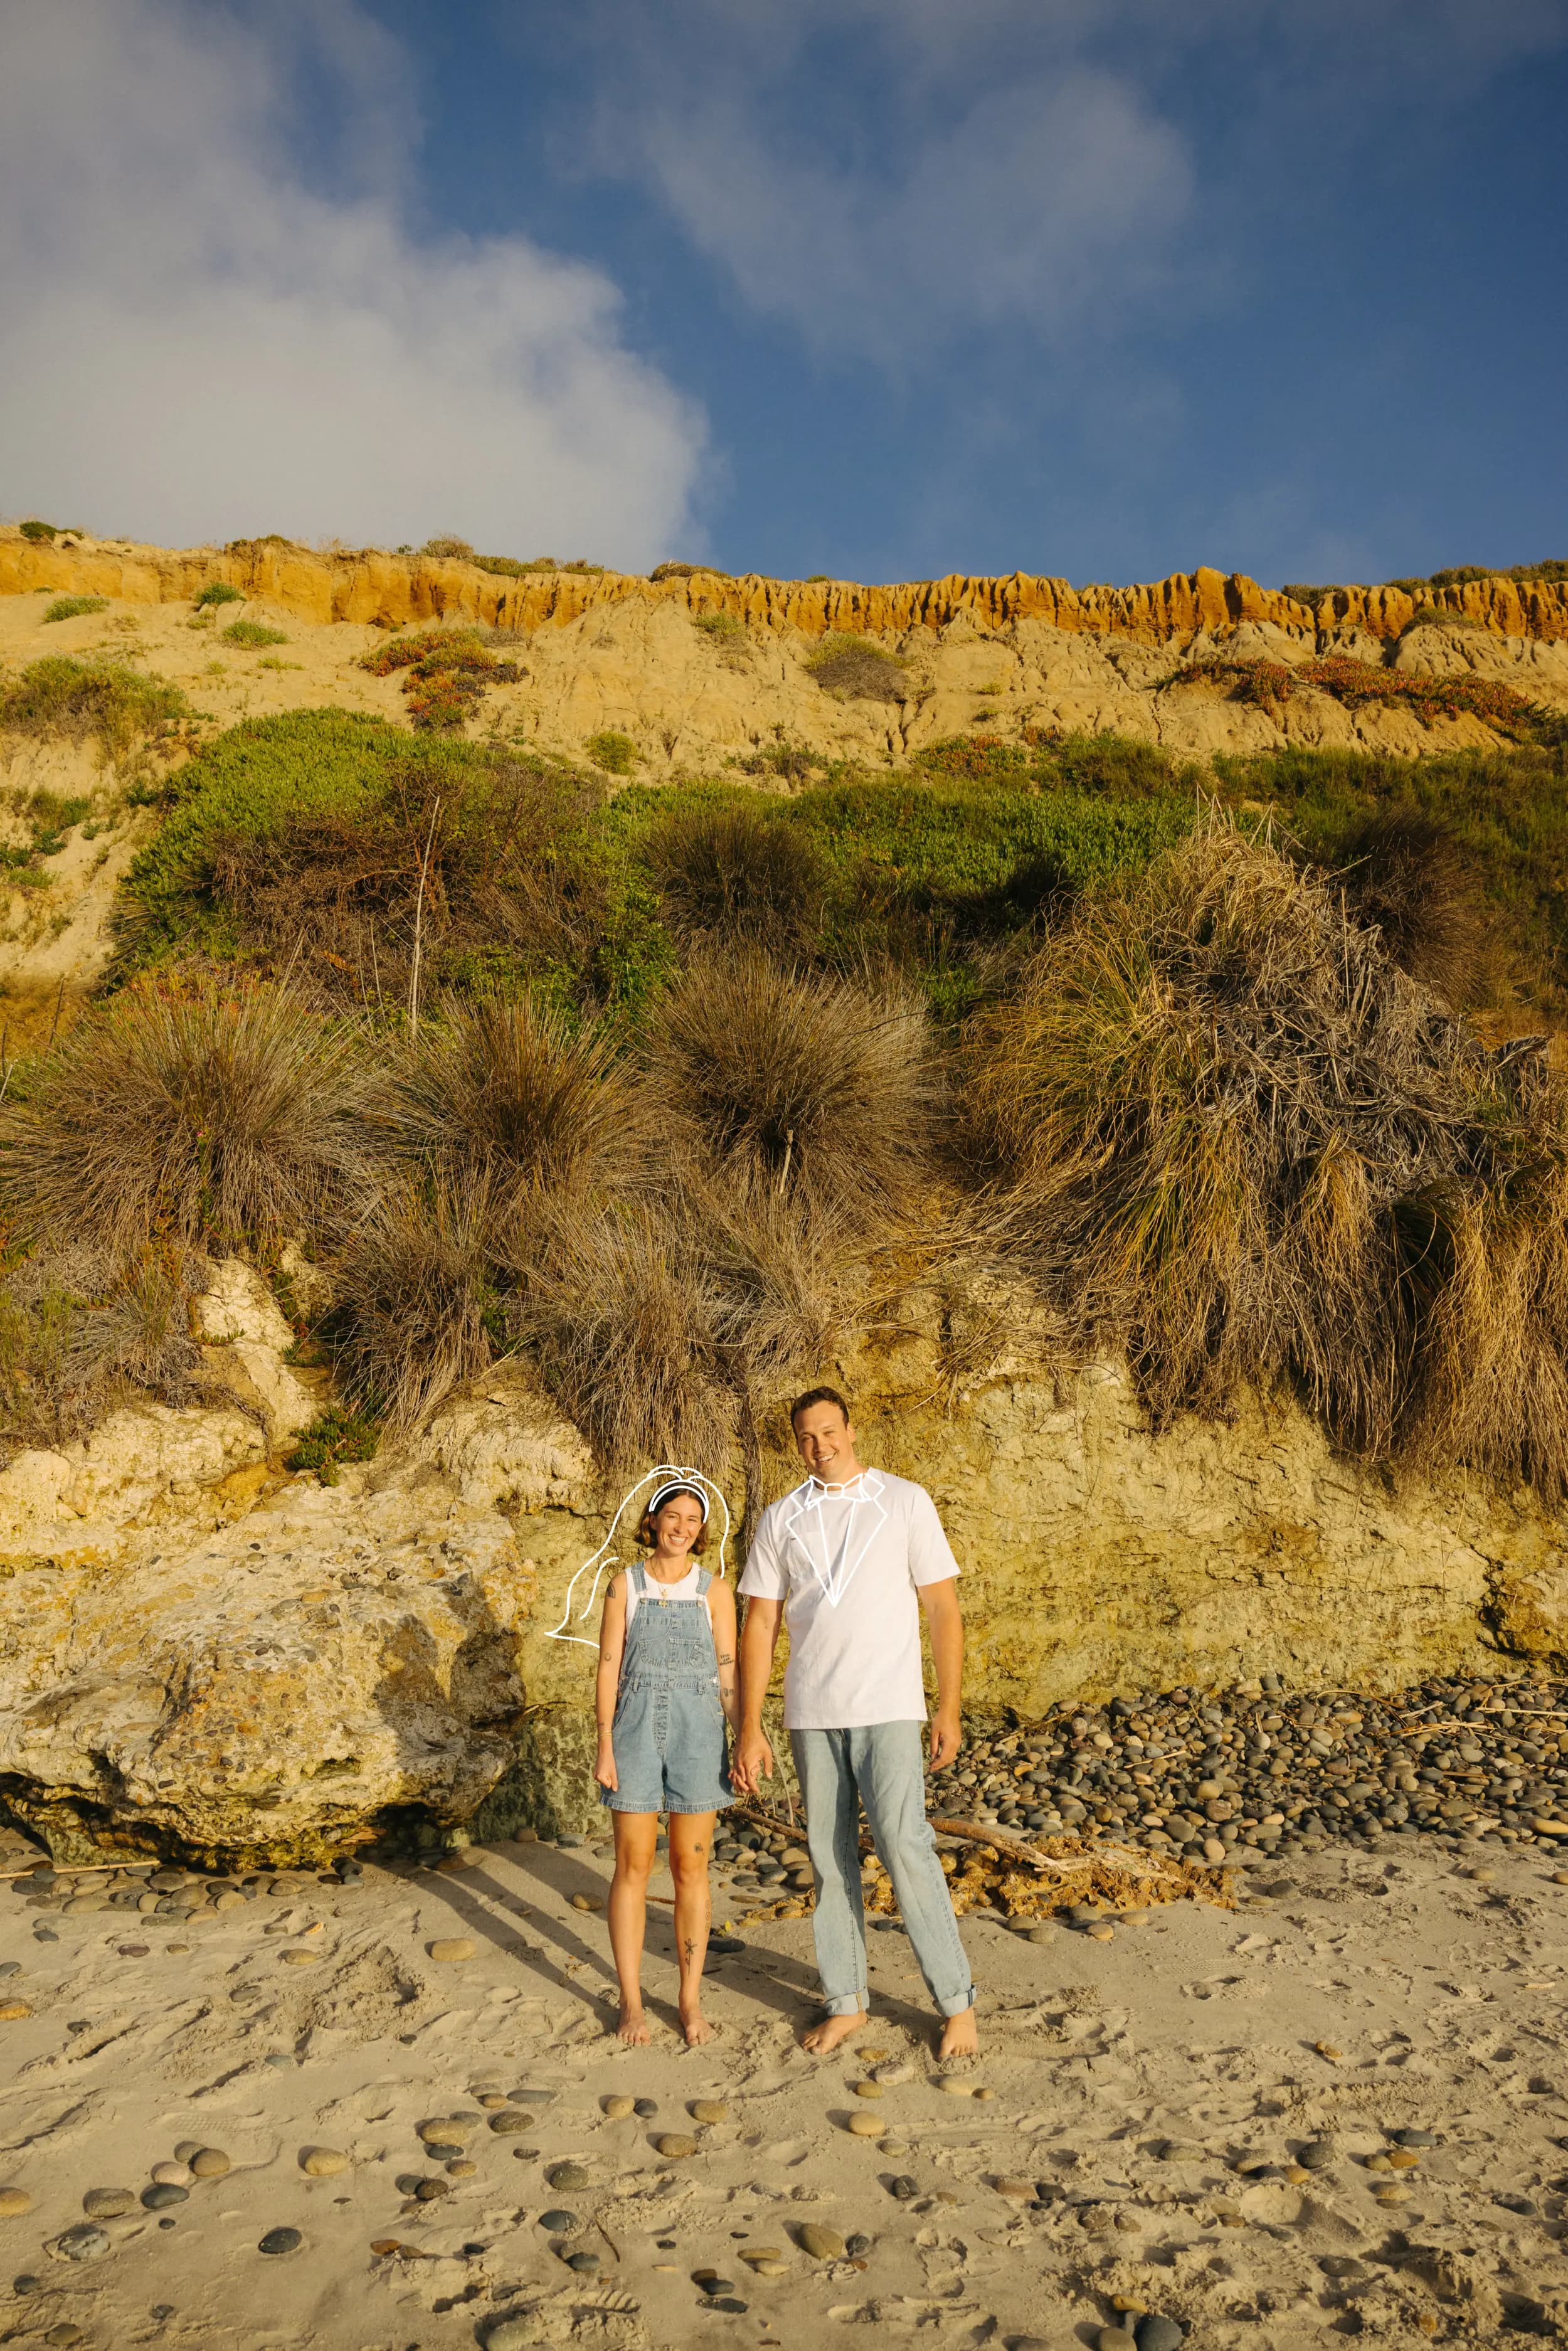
[758, 1639]
[940, 1602]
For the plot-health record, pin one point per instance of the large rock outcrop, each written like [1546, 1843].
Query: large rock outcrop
[203, 1654]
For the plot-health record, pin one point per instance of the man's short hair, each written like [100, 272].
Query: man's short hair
[816, 1396]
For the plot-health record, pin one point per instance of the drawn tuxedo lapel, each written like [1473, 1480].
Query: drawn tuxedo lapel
[834, 1563]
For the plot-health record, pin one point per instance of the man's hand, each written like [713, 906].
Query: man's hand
[946, 1738]
[752, 1762]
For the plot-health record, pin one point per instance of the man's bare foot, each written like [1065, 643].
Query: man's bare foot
[632, 2025]
[695, 2027]
[832, 2030]
[960, 2035]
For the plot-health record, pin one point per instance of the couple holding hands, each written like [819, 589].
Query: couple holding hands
[846, 1562]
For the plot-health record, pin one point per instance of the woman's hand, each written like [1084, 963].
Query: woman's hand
[604, 1770]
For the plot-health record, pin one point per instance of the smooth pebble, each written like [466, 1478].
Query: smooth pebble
[452, 1948]
[708, 2110]
[109, 2203]
[619, 2109]
[674, 2144]
[1155, 2332]
[823, 2244]
[280, 2241]
[14, 2202]
[324, 2163]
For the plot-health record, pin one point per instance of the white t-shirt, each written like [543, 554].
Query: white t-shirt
[847, 1562]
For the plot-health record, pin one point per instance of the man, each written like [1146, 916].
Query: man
[847, 1562]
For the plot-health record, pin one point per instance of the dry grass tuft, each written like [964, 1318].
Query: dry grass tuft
[735, 873]
[209, 1115]
[627, 1323]
[852, 666]
[1401, 871]
[504, 1088]
[801, 1088]
[1246, 1148]
[79, 1324]
[415, 1285]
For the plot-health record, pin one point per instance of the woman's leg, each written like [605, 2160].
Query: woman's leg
[690, 1846]
[634, 1836]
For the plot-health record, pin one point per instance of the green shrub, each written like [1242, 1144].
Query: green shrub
[337, 1434]
[299, 841]
[253, 634]
[416, 1296]
[72, 608]
[448, 671]
[33, 528]
[687, 571]
[1432, 616]
[1505, 812]
[723, 627]
[60, 695]
[616, 754]
[217, 591]
[852, 666]
[456, 549]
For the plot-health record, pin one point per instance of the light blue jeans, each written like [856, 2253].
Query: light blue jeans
[882, 1767]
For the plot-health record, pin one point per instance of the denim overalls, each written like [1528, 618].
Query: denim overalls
[668, 1735]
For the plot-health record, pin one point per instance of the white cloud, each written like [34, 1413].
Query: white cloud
[881, 185]
[209, 327]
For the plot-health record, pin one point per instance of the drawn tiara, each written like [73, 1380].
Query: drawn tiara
[666, 1478]
[661, 1494]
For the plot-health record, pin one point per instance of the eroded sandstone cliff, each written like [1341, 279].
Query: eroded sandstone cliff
[390, 590]
[202, 1653]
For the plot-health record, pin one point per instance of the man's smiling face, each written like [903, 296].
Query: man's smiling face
[827, 1444]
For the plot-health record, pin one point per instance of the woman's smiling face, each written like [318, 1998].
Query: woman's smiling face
[677, 1526]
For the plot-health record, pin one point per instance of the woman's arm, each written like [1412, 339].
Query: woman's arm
[612, 1642]
[721, 1614]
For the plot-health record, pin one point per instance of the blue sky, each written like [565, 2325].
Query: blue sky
[883, 288]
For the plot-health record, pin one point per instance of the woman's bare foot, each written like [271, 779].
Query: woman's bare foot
[960, 2035]
[827, 2035]
[695, 2027]
[632, 2025]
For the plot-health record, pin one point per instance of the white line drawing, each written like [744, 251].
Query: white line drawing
[666, 1474]
[804, 1524]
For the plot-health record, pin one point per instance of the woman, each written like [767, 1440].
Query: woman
[666, 1688]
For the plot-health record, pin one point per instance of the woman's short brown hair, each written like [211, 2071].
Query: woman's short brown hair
[648, 1533]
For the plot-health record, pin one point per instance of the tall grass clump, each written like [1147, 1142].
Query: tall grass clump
[739, 872]
[75, 608]
[416, 1277]
[803, 1087]
[626, 1321]
[210, 1116]
[1246, 1148]
[506, 1089]
[1402, 872]
[80, 1325]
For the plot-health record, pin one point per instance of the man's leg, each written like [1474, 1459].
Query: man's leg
[832, 1815]
[889, 1760]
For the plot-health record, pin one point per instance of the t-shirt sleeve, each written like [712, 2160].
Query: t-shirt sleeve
[931, 1559]
[764, 1578]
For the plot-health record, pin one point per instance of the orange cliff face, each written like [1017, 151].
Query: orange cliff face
[389, 590]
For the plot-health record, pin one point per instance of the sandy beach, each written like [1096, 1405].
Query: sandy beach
[1194, 2119]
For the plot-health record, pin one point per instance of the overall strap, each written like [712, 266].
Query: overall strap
[638, 1574]
[704, 1580]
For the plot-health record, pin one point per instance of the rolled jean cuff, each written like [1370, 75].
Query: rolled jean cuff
[956, 2006]
[847, 2003]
